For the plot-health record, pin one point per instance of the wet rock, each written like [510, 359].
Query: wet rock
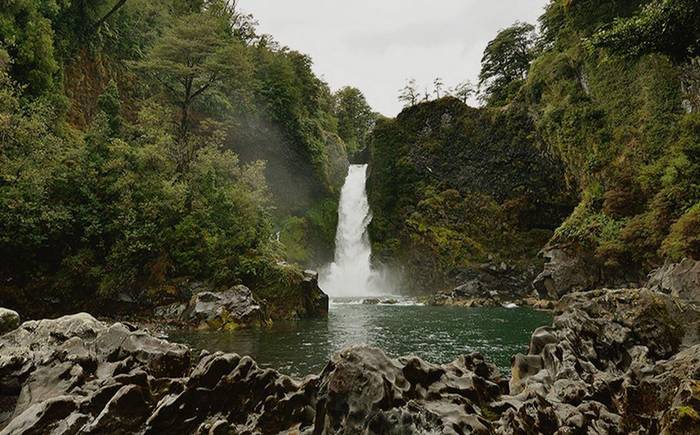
[43, 418]
[9, 320]
[364, 391]
[161, 358]
[227, 310]
[79, 357]
[315, 301]
[123, 414]
[170, 312]
[371, 301]
[47, 382]
[613, 361]
[491, 284]
[212, 368]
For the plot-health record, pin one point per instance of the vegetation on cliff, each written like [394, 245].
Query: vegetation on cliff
[609, 92]
[143, 145]
[452, 187]
[614, 96]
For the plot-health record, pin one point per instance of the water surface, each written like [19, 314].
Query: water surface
[436, 334]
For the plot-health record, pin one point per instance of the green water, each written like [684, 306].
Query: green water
[436, 334]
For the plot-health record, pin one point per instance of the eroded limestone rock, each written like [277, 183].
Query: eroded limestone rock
[613, 362]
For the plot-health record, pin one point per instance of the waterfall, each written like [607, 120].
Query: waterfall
[351, 273]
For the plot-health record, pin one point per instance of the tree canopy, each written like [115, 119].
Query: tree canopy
[506, 61]
[355, 118]
[118, 125]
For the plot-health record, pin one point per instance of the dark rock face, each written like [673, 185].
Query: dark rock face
[363, 391]
[70, 375]
[77, 375]
[239, 307]
[566, 270]
[680, 280]
[227, 310]
[613, 362]
[315, 301]
[489, 284]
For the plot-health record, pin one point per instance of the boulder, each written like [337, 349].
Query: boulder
[58, 375]
[680, 280]
[363, 391]
[567, 269]
[315, 301]
[228, 310]
[490, 284]
[170, 312]
[622, 361]
[9, 320]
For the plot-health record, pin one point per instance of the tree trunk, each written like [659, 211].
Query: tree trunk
[111, 12]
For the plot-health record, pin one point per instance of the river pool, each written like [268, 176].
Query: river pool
[436, 334]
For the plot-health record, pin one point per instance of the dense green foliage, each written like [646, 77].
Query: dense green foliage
[355, 118]
[613, 112]
[506, 61]
[667, 26]
[133, 141]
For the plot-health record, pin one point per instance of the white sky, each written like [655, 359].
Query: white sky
[376, 45]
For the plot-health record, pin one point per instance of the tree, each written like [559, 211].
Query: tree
[240, 25]
[26, 33]
[110, 104]
[195, 58]
[668, 26]
[464, 91]
[117, 5]
[409, 94]
[355, 118]
[506, 61]
[438, 85]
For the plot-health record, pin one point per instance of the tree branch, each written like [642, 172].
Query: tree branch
[111, 12]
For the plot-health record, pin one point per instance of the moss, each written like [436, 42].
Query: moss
[616, 123]
[452, 187]
[310, 239]
[231, 326]
[688, 412]
[684, 238]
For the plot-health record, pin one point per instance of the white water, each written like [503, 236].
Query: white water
[351, 273]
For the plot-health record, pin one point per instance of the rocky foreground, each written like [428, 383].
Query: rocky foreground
[613, 362]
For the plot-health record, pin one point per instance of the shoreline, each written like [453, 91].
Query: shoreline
[100, 377]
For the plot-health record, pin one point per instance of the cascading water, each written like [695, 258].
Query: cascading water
[351, 273]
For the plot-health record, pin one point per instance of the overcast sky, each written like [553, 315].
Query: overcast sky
[376, 45]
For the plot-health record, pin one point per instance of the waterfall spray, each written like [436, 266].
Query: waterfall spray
[351, 273]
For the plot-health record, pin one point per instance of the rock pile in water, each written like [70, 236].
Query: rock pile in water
[622, 361]
[237, 307]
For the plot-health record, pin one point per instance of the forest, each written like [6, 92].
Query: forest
[147, 144]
